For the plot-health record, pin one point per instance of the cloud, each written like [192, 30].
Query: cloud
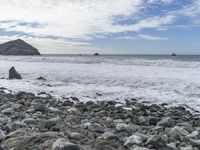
[76, 22]
[141, 37]
[150, 37]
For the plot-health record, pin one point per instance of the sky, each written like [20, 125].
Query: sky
[103, 26]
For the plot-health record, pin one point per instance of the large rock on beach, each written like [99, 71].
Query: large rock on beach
[13, 74]
[17, 47]
[62, 144]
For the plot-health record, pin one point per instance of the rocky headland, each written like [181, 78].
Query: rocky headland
[41, 122]
[18, 47]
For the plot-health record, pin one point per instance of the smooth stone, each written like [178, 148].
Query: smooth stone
[40, 107]
[54, 110]
[189, 147]
[167, 122]
[75, 135]
[138, 148]
[18, 124]
[2, 136]
[62, 144]
[42, 124]
[176, 133]
[158, 129]
[8, 111]
[93, 127]
[122, 127]
[193, 135]
[30, 121]
[109, 136]
[156, 141]
[135, 139]
[186, 126]
[195, 143]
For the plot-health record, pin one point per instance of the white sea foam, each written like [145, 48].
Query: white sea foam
[116, 78]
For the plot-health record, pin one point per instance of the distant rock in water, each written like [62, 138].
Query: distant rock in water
[96, 54]
[173, 54]
[42, 78]
[13, 74]
[17, 47]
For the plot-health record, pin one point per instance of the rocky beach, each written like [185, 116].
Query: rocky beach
[41, 122]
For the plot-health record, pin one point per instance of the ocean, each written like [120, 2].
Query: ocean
[153, 78]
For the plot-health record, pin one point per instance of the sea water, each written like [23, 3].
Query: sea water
[153, 78]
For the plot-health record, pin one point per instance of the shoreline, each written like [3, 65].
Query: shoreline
[32, 122]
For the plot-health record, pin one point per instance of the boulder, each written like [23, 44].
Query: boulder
[122, 127]
[135, 139]
[156, 141]
[13, 74]
[2, 135]
[167, 122]
[17, 47]
[62, 144]
[96, 54]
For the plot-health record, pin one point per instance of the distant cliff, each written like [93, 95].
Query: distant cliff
[18, 47]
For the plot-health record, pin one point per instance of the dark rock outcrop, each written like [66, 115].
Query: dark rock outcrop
[17, 47]
[173, 54]
[42, 79]
[13, 74]
[96, 54]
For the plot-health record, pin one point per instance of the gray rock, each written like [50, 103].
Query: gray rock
[156, 141]
[47, 124]
[186, 126]
[62, 144]
[167, 122]
[135, 139]
[193, 135]
[109, 136]
[138, 148]
[189, 147]
[75, 135]
[30, 121]
[40, 107]
[17, 47]
[8, 111]
[158, 129]
[2, 136]
[93, 127]
[13, 74]
[176, 133]
[122, 127]
[42, 79]
[195, 143]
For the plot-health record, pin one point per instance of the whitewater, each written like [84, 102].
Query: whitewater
[153, 78]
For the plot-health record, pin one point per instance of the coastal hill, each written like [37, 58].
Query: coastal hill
[18, 47]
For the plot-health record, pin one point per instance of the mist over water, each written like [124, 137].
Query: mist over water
[154, 78]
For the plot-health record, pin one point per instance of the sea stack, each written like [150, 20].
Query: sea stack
[18, 47]
[173, 54]
[13, 74]
[96, 54]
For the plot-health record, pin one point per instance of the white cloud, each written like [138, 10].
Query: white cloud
[192, 10]
[66, 18]
[141, 37]
[75, 22]
[150, 37]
